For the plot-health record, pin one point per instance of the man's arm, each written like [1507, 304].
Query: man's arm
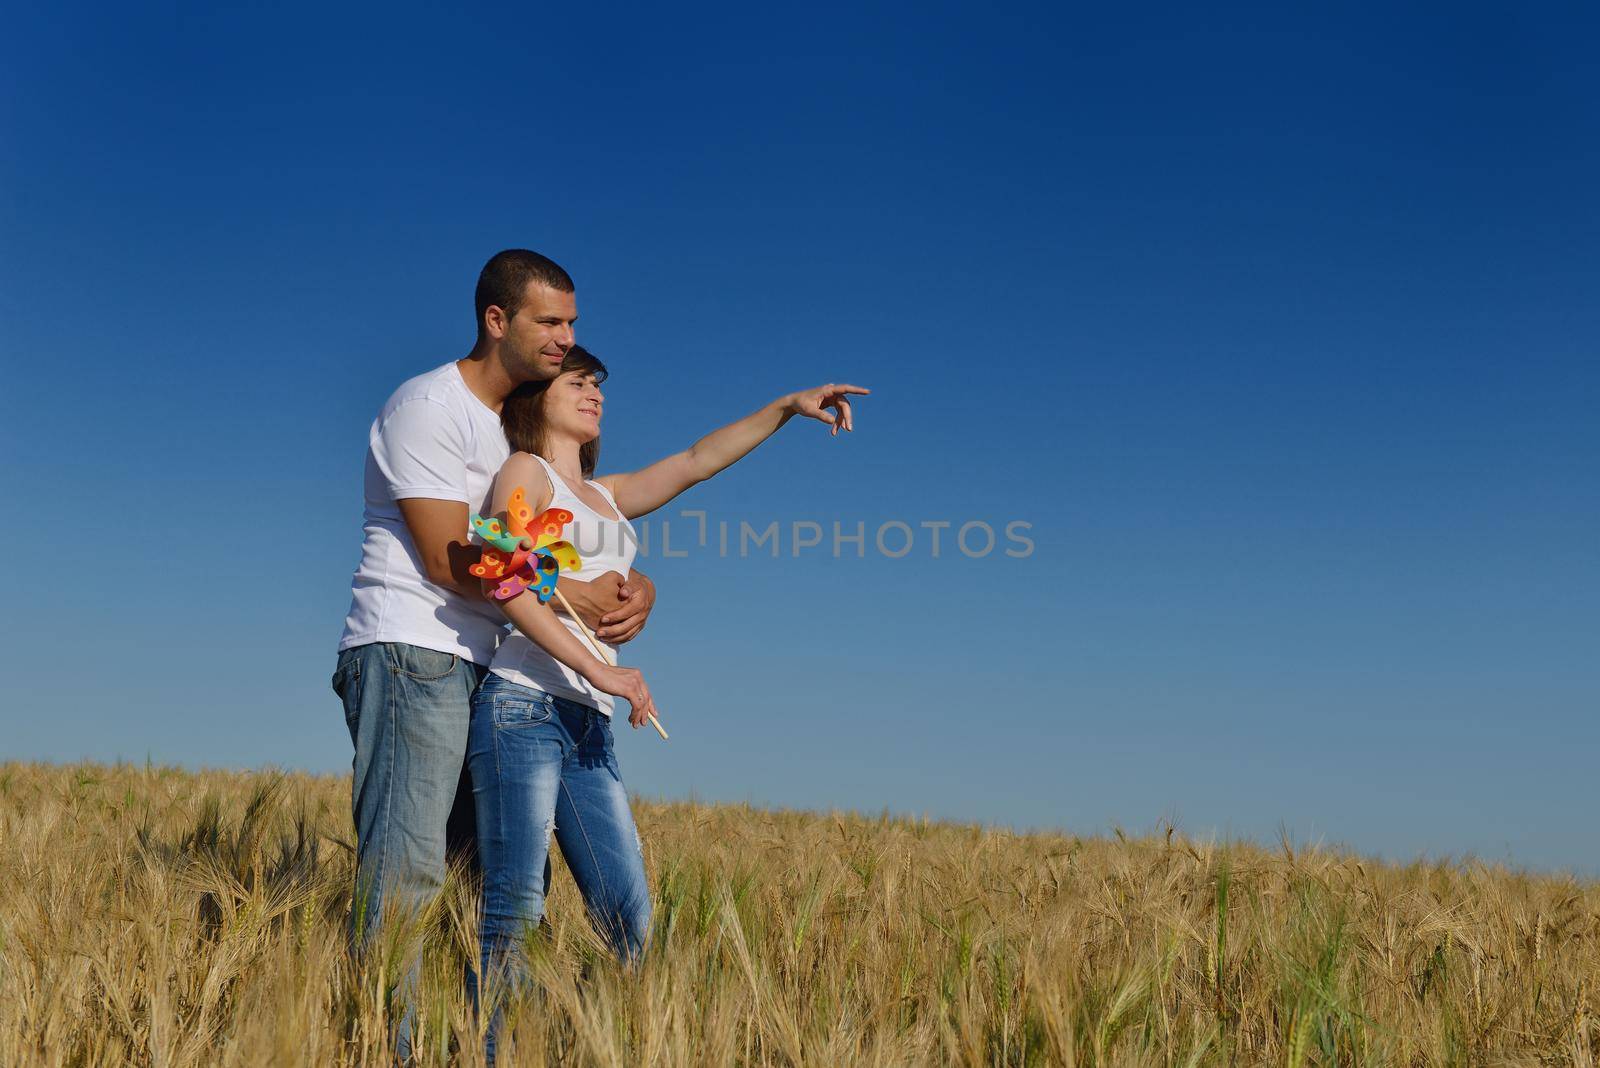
[420, 450]
[438, 529]
[613, 607]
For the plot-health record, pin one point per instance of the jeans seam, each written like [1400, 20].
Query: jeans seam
[374, 891]
[499, 778]
[499, 794]
[577, 817]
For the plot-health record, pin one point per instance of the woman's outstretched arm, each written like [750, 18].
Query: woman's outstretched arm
[642, 492]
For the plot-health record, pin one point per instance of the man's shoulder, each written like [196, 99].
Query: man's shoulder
[442, 385]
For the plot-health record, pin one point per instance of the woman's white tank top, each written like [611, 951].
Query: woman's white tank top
[604, 544]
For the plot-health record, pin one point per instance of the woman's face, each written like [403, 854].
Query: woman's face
[572, 406]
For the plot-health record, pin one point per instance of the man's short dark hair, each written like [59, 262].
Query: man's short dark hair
[504, 280]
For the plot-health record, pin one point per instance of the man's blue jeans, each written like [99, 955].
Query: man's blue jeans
[544, 765]
[408, 710]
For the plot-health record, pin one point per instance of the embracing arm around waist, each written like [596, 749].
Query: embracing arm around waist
[614, 607]
[538, 622]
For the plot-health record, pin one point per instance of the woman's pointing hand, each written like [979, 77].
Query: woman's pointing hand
[814, 404]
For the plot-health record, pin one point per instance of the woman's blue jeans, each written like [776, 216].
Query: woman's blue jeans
[543, 765]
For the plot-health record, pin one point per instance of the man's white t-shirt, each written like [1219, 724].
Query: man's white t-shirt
[433, 438]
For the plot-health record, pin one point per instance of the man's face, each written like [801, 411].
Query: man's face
[535, 340]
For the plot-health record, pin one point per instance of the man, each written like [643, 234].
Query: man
[420, 632]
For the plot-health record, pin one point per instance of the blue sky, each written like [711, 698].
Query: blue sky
[1277, 326]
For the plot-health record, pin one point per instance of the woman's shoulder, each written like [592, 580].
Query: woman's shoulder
[521, 463]
[524, 469]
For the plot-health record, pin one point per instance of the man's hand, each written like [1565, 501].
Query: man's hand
[637, 598]
[613, 607]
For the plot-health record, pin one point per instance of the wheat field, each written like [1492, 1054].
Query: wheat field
[156, 916]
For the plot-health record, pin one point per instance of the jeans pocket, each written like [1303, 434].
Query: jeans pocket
[346, 683]
[514, 710]
[423, 665]
[346, 679]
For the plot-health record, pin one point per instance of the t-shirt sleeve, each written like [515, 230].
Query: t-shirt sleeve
[421, 452]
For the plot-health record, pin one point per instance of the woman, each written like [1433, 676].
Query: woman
[540, 742]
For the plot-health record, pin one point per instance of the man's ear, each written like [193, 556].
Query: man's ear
[494, 321]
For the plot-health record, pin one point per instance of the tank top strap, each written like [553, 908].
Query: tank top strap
[607, 495]
[558, 488]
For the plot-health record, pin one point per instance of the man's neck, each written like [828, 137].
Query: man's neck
[483, 373]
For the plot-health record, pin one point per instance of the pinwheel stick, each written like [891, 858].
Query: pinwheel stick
[601, 651]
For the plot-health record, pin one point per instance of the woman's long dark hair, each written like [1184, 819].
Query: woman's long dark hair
[522, 414]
